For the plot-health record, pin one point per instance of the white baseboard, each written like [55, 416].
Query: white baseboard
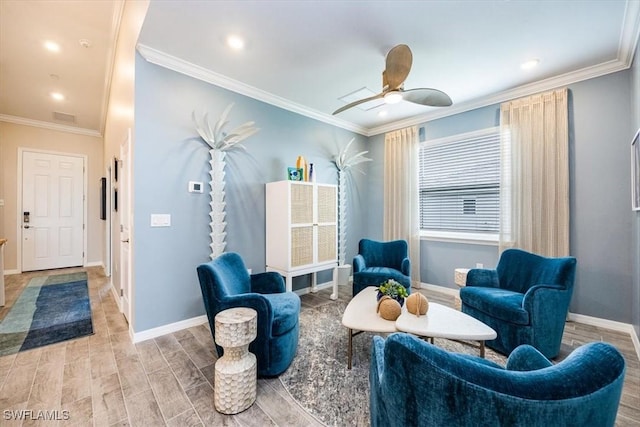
[608, 324]
[196, 321]
[581, 318]
[89, 264]
[437, 288]
[94, 264]
[116, 296]
[168, 329]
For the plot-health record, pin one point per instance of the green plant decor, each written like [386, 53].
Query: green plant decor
[393, 289]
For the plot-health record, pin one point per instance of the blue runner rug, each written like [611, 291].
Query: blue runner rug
[50, 309]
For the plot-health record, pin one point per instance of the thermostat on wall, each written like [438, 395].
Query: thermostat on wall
[195, 187]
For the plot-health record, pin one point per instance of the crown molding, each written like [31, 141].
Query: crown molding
[47, 125]
[630, 32]
[507, 95]
[165, 60]
[116, 22]
[629, 36]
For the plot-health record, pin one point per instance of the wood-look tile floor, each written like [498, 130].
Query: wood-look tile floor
[105, 380]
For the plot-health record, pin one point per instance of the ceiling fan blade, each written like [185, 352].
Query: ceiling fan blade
[358, 102]
[398, 65]
[428, 97]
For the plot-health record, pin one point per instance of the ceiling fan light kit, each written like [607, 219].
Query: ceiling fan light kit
[397, 68]
[392, 97]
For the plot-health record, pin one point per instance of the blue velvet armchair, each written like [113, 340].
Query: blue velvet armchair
[225, 283]
[377, 262]
[525, 299]
[414, 383]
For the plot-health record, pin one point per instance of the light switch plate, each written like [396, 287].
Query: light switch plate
[1, 202]
[160, 220]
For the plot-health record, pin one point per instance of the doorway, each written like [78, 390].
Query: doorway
[123, 203]
[52, 210]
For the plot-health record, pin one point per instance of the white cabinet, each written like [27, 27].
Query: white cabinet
[301, 229]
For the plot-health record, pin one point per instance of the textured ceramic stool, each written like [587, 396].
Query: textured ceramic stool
[460, 279]
[236, 371]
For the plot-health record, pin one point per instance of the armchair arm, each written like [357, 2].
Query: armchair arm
[379, 416]
[359, 263]
[256, 301]
[377, 357]
[527, 358]
[483, 277]
[267, 283]
[405, 267]
[250, 300]
[540, 296]
[548, 305]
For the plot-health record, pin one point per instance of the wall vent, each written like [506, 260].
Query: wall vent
[64, 117]
[362, 93]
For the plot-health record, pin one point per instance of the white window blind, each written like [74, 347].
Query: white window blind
[460, 183]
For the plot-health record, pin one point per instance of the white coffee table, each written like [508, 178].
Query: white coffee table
[439, 322]
[361, 316]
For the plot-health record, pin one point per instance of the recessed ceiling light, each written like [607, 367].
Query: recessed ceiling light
[85, 43]
[235, 42]
[57, 96]
[532, 63]
[51, 46]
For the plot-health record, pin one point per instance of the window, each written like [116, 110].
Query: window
[460, 186]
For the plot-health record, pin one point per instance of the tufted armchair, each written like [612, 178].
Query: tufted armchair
[380, 261]
[225, 283]
[414, 383]
[525, 299]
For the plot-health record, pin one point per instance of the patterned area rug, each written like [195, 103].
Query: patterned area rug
[50, 309]
[319, 379]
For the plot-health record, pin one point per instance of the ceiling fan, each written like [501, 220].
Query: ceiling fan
[398, 65]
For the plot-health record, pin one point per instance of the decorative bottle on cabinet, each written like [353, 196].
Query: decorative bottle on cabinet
[301, 230]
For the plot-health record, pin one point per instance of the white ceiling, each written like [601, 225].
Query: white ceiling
[29, 73]
[304, 55]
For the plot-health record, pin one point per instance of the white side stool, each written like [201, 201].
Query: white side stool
[236, 371]
[460, 279]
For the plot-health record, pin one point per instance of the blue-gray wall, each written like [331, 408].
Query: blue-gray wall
[168, 154]
[600, 127]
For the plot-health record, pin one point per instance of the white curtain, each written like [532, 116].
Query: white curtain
[535, 174]
[401, 204]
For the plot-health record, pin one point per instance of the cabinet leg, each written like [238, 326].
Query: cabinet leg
[314, 282]
[288, 282]
[334, 295]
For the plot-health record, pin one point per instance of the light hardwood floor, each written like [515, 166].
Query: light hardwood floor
[105, 380]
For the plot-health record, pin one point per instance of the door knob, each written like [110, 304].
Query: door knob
[125, 241]
[26, 226]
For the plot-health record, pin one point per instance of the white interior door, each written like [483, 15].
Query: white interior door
[52, 211]
[124, 208]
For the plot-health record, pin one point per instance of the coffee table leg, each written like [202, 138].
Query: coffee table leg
[482, 349]
[349, 349]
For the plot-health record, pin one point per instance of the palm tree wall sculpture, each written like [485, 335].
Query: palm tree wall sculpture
[344, 162]
[219, 142]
